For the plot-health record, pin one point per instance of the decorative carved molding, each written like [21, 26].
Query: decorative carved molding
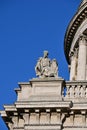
[83, 38]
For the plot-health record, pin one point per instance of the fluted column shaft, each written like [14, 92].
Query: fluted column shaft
[73, 67]
[81, 72]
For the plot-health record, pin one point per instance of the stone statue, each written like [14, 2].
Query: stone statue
[45, 67]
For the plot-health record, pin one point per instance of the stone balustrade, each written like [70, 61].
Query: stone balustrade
[75, 89]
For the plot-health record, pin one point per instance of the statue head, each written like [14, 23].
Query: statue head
[46, 54]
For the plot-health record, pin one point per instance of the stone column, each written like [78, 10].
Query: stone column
[72, 117]
[73, 65]
[26, 116]
[37, 116]
[81, 72]
[48, 116]
[10, 125]
[58, 116]
[15, 120]
[83, 117]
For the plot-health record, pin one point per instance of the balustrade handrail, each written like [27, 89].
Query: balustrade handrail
[75, 82]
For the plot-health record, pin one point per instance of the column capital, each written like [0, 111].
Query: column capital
[58, 110]
[83, 38]
[74, 53]
[83, 112]
[82, 57]
[26, 110]
[48, 110]
[72, 113]
[15, 114]
[37, 110]
[71, 54]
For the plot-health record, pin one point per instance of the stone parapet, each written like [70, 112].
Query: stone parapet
[76, 91]
[39, 105]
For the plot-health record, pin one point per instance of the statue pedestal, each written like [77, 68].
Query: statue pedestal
[47, 89]
[42, 93]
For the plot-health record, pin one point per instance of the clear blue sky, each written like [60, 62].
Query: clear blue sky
[27, 28]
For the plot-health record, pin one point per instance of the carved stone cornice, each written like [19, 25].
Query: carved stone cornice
[74, 24]
[82, 3]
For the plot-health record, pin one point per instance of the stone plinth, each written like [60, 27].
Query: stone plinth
[39, 106]
[48, 89]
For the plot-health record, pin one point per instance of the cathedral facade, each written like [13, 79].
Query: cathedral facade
[49, 102]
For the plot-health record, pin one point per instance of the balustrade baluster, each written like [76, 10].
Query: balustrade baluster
[86, 92]
[72, 91]
[82, 91]
[68, 91]
[77, 91]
